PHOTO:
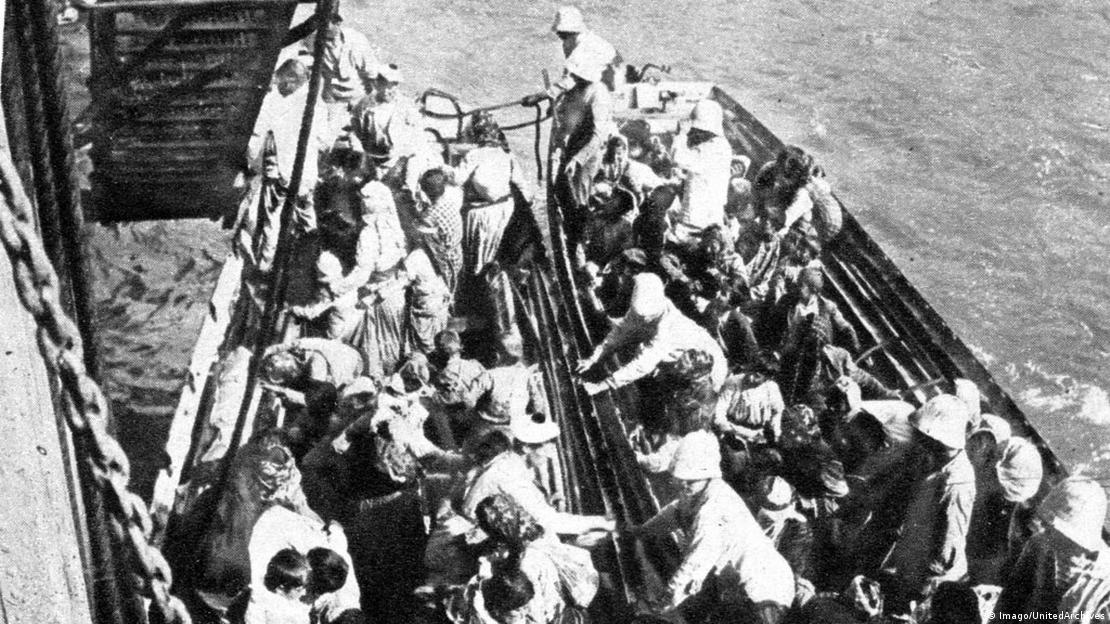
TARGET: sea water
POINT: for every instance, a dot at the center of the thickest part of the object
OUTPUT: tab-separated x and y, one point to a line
970	137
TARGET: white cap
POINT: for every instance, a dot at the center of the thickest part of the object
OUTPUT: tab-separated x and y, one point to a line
530	431
969	394
417	263
376	198
1076	507
568	19
944	419
996	426
707	116
778	494
648	300
390	73
698	457
1020	470
328	267
360	385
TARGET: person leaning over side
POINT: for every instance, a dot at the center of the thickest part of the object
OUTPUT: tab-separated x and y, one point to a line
730	569
660	332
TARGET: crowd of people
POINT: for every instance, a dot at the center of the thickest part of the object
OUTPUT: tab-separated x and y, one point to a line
415	478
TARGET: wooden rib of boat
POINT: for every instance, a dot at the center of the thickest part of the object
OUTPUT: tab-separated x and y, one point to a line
601	473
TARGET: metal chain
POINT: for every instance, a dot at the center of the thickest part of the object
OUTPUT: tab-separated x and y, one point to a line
60	343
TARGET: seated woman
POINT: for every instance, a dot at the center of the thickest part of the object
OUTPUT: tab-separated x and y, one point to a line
620	188
562	576
750	406
262	511
334	316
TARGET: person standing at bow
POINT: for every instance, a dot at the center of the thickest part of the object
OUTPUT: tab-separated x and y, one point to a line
347	69
583	123
385	128
578	43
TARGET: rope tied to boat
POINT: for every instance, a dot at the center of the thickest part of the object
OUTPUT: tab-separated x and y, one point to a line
62	349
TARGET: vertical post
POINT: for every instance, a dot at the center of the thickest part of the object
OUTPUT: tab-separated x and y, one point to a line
280	279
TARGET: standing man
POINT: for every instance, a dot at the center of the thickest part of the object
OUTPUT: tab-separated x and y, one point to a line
384	126
348	68
281	114
583	122
582	44
703	158
930	547
730	570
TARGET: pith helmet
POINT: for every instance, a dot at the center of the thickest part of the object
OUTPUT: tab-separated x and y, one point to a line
996	426
970	395
389	72
777	493
376	199
535	431
648	301
1076	507
698	457
568	19
1019	470
944	419
708	117
360	385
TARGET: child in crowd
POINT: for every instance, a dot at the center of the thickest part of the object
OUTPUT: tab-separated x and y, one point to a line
285	584
327	577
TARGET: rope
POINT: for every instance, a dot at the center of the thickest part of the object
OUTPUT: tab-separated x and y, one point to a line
460	114
61	347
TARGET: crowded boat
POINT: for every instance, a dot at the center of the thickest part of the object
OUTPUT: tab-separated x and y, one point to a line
408	459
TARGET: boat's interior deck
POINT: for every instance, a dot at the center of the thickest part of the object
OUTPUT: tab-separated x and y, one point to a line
914	351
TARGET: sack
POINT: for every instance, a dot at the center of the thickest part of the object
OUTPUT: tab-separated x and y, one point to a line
577	575
827	216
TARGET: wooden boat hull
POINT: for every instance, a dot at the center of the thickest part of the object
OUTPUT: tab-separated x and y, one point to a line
602	475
